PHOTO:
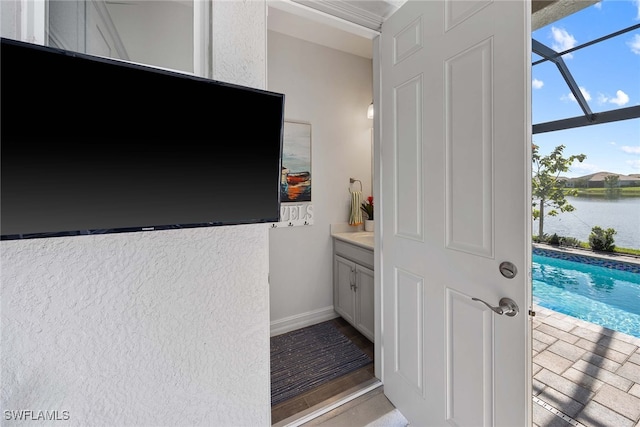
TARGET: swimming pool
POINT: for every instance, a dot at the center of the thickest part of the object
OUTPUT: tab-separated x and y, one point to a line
602	292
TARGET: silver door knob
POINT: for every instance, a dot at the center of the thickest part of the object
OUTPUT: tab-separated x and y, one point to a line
506	306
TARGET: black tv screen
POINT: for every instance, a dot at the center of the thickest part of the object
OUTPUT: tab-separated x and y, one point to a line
93	145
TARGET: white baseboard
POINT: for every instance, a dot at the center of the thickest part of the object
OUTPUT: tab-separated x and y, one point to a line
298	321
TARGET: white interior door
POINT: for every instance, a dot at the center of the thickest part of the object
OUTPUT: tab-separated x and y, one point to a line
455	197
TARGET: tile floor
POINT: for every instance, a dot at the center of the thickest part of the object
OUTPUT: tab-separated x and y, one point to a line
369	409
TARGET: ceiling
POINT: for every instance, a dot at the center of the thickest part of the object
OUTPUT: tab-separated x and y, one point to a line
347	25
351	25
370	14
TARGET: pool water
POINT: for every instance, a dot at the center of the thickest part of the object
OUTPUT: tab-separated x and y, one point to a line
600	295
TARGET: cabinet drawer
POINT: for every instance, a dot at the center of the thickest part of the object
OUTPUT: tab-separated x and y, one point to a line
354	253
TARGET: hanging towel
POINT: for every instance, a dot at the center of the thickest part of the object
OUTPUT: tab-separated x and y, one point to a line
355	217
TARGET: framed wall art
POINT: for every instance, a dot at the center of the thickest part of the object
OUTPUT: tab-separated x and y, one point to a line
295	181
295	184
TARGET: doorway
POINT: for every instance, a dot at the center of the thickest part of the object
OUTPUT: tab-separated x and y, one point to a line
580	367
328	86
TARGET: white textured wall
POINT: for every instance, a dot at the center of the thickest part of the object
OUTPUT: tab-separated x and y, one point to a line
164	328
160	328
331	90
240	54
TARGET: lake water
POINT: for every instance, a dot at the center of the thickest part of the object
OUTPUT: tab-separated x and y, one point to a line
623	215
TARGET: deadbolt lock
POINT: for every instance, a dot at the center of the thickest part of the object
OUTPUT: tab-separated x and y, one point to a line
508	269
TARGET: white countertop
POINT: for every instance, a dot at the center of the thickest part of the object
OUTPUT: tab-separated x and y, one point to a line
363	239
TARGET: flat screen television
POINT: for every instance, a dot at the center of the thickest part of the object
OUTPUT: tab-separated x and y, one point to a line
92	145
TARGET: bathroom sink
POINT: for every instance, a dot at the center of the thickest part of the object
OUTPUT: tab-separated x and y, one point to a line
360	238
366	238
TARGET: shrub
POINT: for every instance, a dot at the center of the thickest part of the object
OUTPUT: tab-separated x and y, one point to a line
537	239
602	240
570	242
554	240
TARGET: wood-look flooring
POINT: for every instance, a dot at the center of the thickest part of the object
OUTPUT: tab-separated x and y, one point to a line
326	391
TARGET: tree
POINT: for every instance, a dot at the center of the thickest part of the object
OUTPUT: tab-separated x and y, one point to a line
612	181
612	184
547	190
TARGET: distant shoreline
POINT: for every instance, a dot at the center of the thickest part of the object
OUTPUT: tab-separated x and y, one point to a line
605	193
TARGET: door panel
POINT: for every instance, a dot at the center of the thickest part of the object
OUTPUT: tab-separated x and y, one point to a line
344	271
455	203
408	41
365	312
409	321
469	331
457	12
409	194
469	150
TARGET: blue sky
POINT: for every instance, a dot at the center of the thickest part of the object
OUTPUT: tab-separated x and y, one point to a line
608	74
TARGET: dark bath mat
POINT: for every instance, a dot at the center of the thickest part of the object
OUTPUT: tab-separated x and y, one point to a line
306	358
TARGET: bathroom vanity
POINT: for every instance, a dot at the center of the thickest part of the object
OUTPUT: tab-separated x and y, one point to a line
353	279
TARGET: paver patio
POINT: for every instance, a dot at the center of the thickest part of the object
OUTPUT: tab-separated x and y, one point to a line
583	374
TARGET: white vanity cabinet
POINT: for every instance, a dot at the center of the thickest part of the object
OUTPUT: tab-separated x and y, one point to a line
353	285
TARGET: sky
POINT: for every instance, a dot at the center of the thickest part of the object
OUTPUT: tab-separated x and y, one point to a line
608	74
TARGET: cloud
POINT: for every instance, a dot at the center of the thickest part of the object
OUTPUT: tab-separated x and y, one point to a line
636	4
570	97
562	41
602	99
620	99
630	150
634	44
598	5
537	84
634	163
584	168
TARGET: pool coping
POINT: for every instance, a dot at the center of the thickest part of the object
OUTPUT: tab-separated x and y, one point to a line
615	262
